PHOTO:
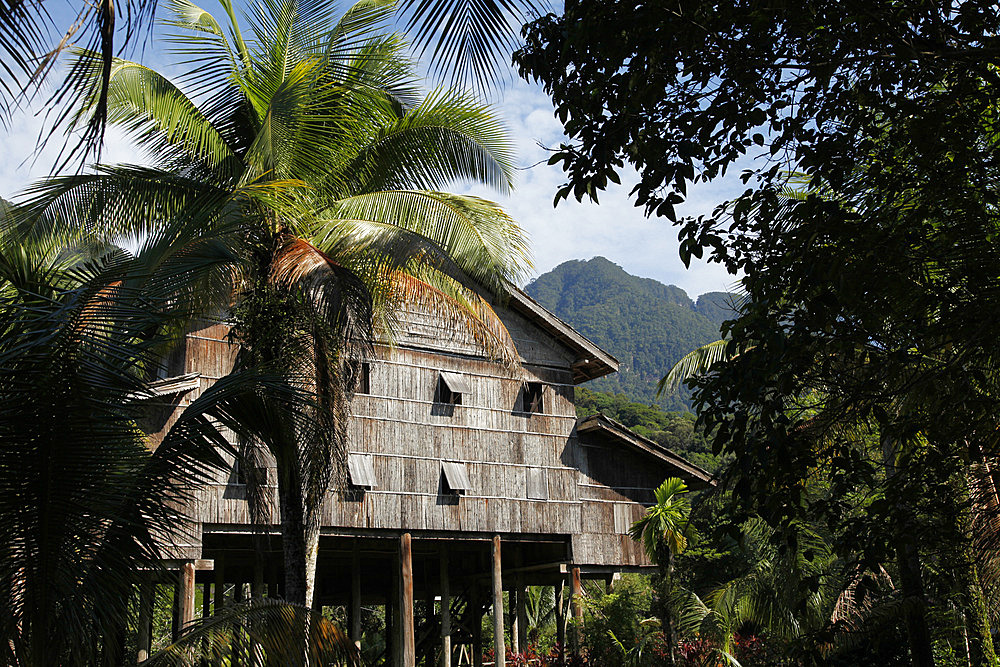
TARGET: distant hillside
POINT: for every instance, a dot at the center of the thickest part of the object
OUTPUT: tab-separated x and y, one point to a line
647	325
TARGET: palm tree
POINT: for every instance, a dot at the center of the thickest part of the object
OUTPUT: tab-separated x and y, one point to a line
86	509
663	532
309	144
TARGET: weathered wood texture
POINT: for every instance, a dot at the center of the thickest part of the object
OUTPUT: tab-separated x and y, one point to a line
616	486
529	473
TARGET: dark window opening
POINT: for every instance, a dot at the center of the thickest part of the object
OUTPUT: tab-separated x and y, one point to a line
240	475
451	386
364	379
534	393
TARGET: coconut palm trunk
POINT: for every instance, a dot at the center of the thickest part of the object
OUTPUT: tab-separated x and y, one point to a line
295	538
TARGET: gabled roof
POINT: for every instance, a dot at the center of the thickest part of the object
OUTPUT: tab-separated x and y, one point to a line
695	476
591	361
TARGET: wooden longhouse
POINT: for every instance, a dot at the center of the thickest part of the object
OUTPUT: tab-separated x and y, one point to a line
466	480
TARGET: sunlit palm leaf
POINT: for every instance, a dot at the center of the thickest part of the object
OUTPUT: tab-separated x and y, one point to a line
476	234
694	363
468	41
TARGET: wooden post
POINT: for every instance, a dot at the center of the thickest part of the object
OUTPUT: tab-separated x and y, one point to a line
515	630
561	619
220	583
430	647
500	650
406	601
175	608
391	619
144	642
185	590
356	595
445	611
477	627
274	587
576	590
522	617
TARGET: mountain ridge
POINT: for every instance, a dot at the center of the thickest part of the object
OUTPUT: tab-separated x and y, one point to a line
644	323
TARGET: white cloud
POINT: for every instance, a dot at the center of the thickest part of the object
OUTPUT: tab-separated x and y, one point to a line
614	229
19	166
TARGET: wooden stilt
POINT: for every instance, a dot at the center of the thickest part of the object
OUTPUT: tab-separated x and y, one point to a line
274	587
500	650
430	646
356	595
257	590
445	611
576	590
185	593
146	600
391	622
220	583
477	628
515	630
406	601
522	617
430	619
175	611
561	619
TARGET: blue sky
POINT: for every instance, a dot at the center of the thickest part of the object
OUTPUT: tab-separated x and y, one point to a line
615	229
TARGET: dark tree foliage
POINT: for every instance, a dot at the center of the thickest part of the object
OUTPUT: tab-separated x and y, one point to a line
865	393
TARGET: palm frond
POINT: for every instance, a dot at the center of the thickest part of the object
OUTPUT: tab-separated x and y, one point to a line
476	235
693	363
448	137
468	42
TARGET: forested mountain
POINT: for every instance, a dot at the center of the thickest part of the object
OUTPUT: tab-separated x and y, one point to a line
647	325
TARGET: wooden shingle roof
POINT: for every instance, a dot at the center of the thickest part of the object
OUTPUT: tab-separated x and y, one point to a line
591	362
607	428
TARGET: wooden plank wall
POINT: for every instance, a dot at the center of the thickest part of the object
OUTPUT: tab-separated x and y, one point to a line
616	486
409	435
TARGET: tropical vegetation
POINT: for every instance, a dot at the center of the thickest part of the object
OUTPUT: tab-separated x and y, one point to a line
295	192
291	195
857	392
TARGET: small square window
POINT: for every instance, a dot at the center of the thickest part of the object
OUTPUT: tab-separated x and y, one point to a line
537	481
364	379
361	471
456	478
451	386
533	397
